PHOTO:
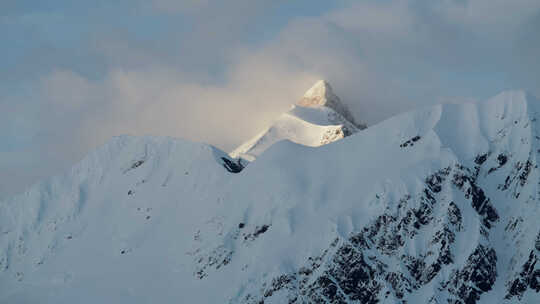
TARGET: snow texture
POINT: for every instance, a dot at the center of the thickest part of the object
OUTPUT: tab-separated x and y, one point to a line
438	205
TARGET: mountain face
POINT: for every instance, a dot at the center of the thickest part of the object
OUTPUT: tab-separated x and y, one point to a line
438	205
317	119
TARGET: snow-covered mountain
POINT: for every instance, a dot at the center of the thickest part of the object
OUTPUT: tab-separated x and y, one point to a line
317	119
438	205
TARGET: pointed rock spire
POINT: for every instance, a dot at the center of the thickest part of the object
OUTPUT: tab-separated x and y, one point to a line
318	95
321	94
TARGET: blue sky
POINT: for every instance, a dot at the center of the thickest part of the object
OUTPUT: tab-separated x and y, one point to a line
75	73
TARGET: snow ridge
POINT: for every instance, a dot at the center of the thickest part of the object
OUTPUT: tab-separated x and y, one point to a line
443	210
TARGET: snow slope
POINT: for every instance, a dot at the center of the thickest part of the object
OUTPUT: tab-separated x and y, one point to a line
318	119
438	205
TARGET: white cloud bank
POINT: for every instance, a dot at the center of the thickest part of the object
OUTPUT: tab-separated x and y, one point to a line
381	57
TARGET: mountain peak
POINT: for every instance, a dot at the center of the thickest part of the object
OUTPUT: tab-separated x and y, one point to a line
321	94
439	205
320	91
317	119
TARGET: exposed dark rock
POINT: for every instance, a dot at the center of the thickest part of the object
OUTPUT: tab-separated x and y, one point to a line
525	173
232	166
537	243
258	231
354	276
477	277
466	182
518	177
410	142
502	159
454	215
135	164
529	277
278	284
357	268
216	259
480	159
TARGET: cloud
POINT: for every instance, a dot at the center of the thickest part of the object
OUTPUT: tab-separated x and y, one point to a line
159	101
220	72
180	6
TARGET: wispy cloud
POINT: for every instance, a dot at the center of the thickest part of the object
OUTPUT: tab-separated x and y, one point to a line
219	72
